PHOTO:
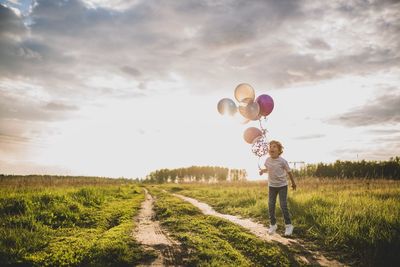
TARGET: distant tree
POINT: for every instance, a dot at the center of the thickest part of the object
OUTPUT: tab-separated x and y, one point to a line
195	173
389	169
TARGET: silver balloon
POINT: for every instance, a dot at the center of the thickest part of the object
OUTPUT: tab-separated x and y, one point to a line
227	106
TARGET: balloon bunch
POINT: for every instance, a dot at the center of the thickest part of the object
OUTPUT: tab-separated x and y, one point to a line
252	109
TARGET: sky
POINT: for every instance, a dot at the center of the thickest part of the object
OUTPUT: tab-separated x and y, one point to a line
122	88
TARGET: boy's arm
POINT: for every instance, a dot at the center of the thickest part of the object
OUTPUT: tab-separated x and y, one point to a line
263	171
294	186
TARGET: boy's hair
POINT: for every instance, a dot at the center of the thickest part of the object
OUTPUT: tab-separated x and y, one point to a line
278	144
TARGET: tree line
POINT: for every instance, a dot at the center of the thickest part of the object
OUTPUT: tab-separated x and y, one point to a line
197	174
389	169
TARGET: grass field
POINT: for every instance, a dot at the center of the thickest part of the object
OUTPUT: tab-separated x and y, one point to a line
357	220
81	221
68	222
211	241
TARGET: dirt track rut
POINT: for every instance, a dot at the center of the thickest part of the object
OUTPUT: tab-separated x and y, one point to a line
303	254
149	233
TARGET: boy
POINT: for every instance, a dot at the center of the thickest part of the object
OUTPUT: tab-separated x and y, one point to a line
277	168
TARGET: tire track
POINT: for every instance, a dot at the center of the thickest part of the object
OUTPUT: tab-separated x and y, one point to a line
149	233
301	253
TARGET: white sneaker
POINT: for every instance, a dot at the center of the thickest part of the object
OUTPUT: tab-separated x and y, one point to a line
288	229
272	229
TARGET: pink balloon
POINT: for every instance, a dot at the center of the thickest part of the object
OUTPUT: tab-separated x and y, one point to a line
250	111
251	133
266	104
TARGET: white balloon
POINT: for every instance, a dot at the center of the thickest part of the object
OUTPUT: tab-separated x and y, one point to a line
260	146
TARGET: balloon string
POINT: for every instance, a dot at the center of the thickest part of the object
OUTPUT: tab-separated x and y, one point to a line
264	130
264	133
259	167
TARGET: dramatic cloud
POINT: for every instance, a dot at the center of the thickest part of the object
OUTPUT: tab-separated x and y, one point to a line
12	30
277	43
383	110
384	151
11	23
24	108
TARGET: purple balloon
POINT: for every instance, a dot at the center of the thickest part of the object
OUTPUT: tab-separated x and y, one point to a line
266	104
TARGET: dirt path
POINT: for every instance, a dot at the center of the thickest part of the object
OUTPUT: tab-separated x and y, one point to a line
149	233
301	252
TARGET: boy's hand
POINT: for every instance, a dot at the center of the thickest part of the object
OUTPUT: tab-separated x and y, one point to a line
261	172
294	186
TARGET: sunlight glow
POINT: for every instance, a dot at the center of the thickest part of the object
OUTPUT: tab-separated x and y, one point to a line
133	137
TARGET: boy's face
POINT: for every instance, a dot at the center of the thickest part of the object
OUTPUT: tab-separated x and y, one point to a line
273	151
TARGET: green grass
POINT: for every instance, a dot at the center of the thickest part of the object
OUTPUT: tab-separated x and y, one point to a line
358	220
211	241
61	221
87	225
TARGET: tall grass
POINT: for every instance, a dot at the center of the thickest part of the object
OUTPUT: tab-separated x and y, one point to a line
18	182
68	226
357	219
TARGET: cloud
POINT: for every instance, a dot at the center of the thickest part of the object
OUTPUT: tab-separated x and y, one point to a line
257	41
110	4
384	131
22	55
241	22
6	140
131	71
310	136
57	106
205	45
200	46
58	56
317	43
26	114
384	151
383	110
12	30
24	108
11	24
18	137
